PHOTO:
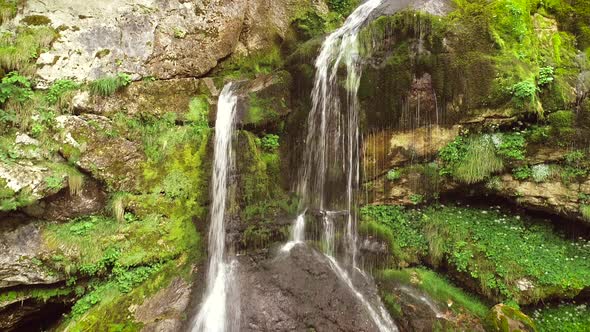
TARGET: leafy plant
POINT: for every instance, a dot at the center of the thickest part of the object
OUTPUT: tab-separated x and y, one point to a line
270	142
546	75
512	146
58	90
16	88
393	175
524	92
54	182
540	172
522	173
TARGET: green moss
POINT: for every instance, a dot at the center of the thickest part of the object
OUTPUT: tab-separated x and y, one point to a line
36	20
562	125
106	306
505	317
438	288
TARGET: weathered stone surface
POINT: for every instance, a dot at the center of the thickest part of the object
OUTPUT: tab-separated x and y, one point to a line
553	197
297	292
165	39
152	98
63	205
164	311
107	156
20	244
26	176
434	7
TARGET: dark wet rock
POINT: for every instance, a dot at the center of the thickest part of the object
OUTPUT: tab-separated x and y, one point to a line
165	310
20	244
297	292
27	313
64	205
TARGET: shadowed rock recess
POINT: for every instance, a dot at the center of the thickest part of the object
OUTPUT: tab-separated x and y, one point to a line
472	209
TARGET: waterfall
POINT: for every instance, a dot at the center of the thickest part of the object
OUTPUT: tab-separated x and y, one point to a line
215	308
330	177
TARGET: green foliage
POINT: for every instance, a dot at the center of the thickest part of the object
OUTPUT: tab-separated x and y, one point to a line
198	113
546	75
54	183
524	92
492	248
564	318
8	9
108	85
452	154
585	211
562	124
58	90
438	288
19	51
15	87
393	175
522	173
270	142
397	228
342	7
416	199
512	146
479	162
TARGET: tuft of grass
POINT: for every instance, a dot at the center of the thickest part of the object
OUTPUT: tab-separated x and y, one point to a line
480	161
108	85
75	182
585	211
117	205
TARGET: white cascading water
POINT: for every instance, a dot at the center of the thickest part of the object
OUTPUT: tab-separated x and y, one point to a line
333	139
215	308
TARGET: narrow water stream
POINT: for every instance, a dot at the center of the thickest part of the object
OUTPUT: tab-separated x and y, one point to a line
219	310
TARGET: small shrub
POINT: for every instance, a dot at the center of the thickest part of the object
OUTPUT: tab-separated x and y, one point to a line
58	90
107	86
541	172
270	142
546	75
393	175
416	199
480	161
512	146
522	173
524	92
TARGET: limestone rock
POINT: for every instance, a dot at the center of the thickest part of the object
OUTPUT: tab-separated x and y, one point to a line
20	243
153	98
91	142
164	310
165	39
63	205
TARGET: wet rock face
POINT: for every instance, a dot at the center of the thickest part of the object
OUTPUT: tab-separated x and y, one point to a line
20	244
164	311
297	292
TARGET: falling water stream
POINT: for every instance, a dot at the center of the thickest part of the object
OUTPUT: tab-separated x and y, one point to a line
219	310
332	157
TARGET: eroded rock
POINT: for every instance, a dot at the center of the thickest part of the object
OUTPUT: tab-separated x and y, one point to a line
91	142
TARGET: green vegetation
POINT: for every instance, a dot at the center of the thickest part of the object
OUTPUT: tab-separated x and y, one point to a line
471	160
393	175
270	142
19	51
60	93
487	246
108	85
438	288
564	317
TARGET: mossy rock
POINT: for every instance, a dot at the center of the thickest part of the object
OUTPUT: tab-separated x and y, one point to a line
503	318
